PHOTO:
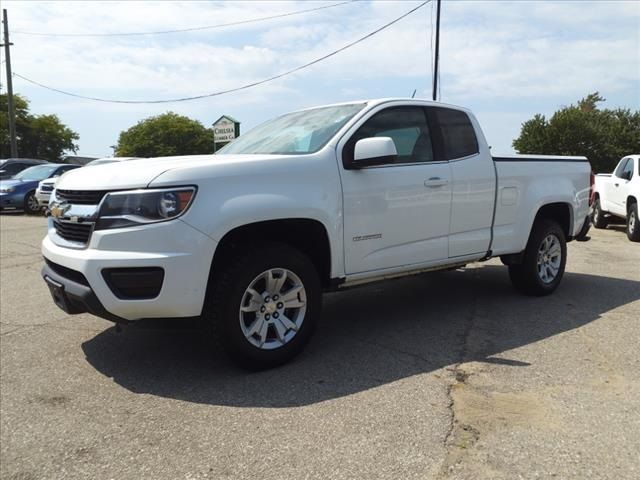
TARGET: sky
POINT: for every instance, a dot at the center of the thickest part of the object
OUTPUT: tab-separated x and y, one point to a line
505	60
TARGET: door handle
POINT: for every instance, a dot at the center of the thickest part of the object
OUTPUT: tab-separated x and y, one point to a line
616	184
435	182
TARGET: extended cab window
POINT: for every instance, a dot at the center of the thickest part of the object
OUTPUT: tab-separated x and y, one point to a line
458	136
406	126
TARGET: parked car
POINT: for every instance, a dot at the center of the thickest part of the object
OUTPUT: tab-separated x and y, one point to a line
316	200
46	186
617	195
19	192
12	166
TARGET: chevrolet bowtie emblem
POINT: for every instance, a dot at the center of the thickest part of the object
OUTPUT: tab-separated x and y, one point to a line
58	210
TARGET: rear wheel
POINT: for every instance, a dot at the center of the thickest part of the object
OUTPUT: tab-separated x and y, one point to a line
597	217
543	261
264	305
633	229
31	205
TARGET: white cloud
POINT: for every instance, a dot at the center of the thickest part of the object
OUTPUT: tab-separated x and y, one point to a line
494	51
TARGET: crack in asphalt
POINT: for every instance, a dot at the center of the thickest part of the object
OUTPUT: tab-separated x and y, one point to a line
459	376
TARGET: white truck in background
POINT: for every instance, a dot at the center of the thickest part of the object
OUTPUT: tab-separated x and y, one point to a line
617	194
316	200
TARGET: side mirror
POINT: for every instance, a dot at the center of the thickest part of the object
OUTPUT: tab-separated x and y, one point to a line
374	151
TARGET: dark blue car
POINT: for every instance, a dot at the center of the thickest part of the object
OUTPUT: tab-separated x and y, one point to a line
19	192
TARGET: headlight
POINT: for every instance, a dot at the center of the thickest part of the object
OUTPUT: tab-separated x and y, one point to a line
139	207
7	190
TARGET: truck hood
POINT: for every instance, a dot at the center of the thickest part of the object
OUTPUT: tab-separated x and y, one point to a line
140	173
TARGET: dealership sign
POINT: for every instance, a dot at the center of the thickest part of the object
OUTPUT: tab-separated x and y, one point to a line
225	129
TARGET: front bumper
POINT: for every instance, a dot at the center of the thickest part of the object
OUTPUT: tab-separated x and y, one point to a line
12	201
182	252
43	198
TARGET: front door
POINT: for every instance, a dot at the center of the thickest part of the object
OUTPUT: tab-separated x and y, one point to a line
395	214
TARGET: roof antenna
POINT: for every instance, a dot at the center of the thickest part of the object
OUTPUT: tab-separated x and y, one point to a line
414	93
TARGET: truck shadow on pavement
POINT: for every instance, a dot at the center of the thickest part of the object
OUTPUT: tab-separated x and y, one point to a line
368	337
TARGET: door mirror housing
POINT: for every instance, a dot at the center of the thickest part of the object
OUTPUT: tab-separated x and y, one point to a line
374	151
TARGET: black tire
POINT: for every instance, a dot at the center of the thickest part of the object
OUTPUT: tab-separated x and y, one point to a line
31	206
633	228
597	216
525	277
225	295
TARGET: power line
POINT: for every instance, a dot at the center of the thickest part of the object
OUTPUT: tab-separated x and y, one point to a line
191	29
236	89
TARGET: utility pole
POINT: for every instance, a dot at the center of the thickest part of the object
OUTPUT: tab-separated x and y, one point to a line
437	54
12	113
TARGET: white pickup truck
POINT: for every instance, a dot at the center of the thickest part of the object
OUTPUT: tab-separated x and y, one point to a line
617	194
316	200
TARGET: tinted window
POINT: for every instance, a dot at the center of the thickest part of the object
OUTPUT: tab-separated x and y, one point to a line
406	126
458	136
622	167
627	172
61	170
14	168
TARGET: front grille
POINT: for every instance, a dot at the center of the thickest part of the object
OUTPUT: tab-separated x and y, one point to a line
75	232
46	188
81	197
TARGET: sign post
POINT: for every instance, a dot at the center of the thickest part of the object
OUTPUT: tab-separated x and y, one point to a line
225	130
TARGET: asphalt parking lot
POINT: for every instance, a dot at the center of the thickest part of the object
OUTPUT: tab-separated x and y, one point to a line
444	375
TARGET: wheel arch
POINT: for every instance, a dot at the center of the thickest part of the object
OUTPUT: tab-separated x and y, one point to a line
631	199
560	212
307	235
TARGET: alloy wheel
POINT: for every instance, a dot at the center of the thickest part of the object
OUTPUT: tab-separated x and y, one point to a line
273	308
549	258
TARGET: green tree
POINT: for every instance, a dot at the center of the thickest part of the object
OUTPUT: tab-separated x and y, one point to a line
603	136
38	136
165	135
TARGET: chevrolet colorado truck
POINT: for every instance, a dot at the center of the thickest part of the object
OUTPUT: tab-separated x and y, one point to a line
617	194
248	239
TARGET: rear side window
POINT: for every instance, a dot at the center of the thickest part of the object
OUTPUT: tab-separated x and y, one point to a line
458	136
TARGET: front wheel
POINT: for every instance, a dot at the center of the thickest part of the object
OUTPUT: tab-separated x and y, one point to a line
633	229
264	305
543	262
597	217
31	205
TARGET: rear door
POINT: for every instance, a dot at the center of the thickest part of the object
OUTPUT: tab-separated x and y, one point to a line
473	182
396	214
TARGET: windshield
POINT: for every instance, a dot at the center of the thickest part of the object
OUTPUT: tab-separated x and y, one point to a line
39	172
299	132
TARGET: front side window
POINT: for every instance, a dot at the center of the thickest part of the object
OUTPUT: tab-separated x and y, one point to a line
406	126
627	172
622	166
458	135
294	133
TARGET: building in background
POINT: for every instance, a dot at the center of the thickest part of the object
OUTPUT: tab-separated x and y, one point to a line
225	130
